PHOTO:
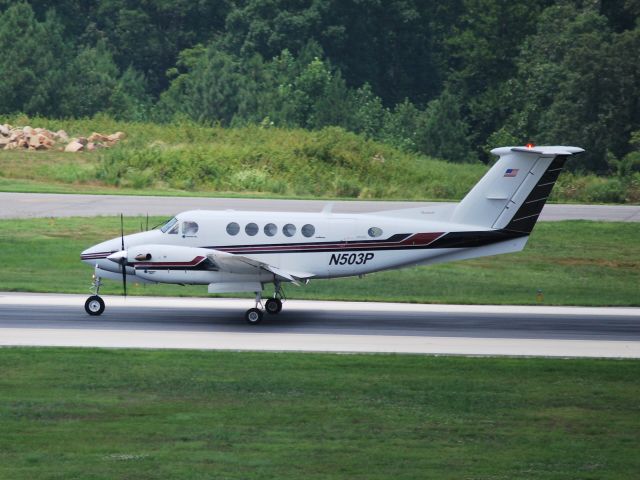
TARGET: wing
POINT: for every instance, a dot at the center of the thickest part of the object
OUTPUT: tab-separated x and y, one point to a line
230	262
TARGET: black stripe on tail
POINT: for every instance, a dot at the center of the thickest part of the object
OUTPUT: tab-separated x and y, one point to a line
527	215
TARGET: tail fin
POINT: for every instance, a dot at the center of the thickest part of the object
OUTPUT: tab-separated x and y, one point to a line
512	193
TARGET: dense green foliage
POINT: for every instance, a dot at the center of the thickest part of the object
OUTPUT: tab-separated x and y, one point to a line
573	263
105	414
446	79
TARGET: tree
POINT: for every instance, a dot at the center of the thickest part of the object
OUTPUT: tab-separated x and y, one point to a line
129	100
214	86
444	133
32	55
89	83
576	85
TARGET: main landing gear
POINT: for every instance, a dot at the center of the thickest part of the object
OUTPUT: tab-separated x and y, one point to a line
272	306
95	305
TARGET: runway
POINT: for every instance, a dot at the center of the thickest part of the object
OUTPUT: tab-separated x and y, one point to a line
33	205
209	323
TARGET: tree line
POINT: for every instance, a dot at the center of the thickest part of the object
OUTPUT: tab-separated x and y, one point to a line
447	79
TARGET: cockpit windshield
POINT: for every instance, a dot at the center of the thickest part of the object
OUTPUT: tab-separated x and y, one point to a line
169	224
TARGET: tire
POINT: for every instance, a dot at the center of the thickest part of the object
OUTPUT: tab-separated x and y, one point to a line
273	306
253	316
94	305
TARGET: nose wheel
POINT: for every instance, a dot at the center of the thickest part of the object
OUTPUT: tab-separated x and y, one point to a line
94	305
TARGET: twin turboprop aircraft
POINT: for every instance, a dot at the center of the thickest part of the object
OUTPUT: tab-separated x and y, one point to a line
241	251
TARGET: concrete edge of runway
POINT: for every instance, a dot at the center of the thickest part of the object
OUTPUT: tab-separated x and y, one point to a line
91	334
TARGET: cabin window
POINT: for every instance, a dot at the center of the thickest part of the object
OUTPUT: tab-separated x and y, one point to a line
270	229
308	230
189	228
233	228
251	229
165	228
289	230
375	232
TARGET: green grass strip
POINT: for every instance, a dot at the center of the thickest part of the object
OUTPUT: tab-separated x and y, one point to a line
105	414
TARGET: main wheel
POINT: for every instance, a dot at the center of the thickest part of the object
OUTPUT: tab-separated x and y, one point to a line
253	316
94	305
273	306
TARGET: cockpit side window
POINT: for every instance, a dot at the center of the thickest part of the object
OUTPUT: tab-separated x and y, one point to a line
167	226
189	228
174	229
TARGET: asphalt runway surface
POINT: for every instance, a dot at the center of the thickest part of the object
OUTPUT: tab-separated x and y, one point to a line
208	323
33	205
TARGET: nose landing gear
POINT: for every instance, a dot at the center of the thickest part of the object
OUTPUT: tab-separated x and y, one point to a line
95	305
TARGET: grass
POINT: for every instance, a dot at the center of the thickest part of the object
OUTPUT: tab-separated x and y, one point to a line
105	414
188	159
572	262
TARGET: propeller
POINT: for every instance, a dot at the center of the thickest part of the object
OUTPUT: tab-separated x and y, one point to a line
123	260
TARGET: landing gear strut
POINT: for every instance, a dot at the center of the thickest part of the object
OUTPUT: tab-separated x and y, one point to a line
95	305
254	315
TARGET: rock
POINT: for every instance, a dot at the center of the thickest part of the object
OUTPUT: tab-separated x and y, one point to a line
91	146
62	135
48	134
27	130
45	141
4	141
98	137
82	140
74	146
5	130
115	137
34	141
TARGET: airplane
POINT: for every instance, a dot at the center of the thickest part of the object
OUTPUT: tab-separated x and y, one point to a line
242	251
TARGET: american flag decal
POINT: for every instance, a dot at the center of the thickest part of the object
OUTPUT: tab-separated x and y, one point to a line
511	172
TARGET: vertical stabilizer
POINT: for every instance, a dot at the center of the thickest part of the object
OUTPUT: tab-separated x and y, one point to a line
512	193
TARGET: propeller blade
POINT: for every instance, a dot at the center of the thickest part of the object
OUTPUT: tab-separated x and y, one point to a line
122	230
123	261
124	276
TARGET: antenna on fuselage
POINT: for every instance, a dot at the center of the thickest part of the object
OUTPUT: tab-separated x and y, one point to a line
328	208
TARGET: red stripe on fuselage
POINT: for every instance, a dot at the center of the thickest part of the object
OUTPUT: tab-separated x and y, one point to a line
417	240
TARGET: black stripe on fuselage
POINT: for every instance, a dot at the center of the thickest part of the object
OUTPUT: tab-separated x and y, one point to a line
448	240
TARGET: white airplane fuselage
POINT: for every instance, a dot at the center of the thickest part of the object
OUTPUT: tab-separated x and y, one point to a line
341	244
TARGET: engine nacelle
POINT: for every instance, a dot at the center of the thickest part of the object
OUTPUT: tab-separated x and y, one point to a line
168	255
191	265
